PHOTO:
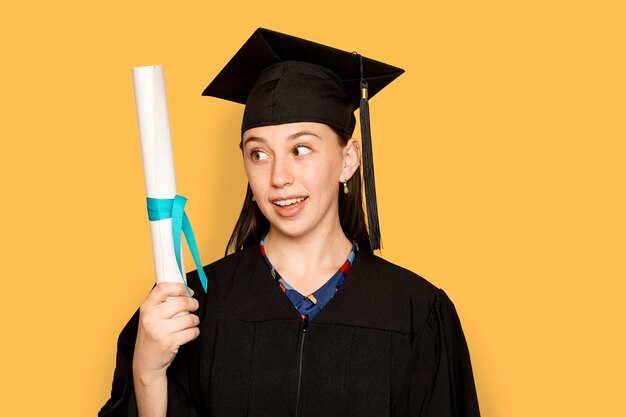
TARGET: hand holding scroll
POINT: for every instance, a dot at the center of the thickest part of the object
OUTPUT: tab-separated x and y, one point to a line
163	329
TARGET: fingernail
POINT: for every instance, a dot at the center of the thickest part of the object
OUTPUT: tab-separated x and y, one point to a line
192	291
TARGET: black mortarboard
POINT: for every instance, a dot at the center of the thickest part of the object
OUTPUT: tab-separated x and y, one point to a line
284	79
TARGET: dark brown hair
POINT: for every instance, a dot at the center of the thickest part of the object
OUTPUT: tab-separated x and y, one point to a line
252	224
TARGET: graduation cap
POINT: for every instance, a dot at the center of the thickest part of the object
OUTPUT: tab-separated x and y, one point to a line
285	79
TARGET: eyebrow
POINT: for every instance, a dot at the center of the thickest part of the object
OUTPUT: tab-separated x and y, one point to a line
291	137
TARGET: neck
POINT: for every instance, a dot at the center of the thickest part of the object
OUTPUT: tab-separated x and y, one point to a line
317	250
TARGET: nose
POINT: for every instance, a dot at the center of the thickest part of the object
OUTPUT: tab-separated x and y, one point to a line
282	171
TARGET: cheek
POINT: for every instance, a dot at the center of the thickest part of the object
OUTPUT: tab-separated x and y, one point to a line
254	175
322	177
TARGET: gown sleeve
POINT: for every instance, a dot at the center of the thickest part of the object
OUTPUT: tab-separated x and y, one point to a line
122	402
442	382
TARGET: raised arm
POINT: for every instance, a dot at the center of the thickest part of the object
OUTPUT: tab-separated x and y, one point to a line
164	326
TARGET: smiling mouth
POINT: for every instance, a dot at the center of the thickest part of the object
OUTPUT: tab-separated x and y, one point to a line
289	202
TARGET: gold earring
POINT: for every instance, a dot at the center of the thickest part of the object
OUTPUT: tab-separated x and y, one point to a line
345	187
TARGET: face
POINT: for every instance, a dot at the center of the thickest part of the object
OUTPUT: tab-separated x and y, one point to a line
295	171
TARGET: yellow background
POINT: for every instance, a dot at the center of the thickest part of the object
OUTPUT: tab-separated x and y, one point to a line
499	165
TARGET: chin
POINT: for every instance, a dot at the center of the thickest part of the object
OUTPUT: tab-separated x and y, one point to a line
292	232
294	229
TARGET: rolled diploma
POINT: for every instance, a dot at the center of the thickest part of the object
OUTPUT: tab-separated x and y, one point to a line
158	164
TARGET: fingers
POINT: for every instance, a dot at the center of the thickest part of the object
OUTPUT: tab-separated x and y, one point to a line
165	323
185	336
174	306
180	323
168	299
165	335
163	290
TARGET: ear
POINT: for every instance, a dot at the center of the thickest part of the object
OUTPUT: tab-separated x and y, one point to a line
351	159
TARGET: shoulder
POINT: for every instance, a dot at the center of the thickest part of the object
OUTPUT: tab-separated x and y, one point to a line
397	277
233	261
396	286
228	262
224	268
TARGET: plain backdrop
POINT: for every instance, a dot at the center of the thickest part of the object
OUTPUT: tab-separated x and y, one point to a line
499	165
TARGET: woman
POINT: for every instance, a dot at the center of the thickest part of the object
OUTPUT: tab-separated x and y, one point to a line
374	339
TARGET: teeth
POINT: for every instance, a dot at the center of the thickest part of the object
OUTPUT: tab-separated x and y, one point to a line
289	202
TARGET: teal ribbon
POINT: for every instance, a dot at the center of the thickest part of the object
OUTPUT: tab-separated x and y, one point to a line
164	208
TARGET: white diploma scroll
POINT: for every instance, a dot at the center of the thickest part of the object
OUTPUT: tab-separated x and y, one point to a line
158	164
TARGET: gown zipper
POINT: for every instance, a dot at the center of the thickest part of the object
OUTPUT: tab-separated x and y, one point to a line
303	329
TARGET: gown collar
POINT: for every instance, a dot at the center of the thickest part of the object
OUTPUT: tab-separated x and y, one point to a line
310	305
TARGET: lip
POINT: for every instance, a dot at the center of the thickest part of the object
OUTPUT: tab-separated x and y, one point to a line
291	210
289	197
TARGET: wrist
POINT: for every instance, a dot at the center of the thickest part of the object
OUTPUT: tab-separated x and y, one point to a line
149	378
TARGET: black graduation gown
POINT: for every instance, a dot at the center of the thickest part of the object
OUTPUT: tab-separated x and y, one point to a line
389	343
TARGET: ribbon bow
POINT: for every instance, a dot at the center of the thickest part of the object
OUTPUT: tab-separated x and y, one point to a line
164	208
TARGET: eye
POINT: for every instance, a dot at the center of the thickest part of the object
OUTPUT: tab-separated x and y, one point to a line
302	150
258	155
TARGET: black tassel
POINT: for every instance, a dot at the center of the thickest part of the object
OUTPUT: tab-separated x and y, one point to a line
368	166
